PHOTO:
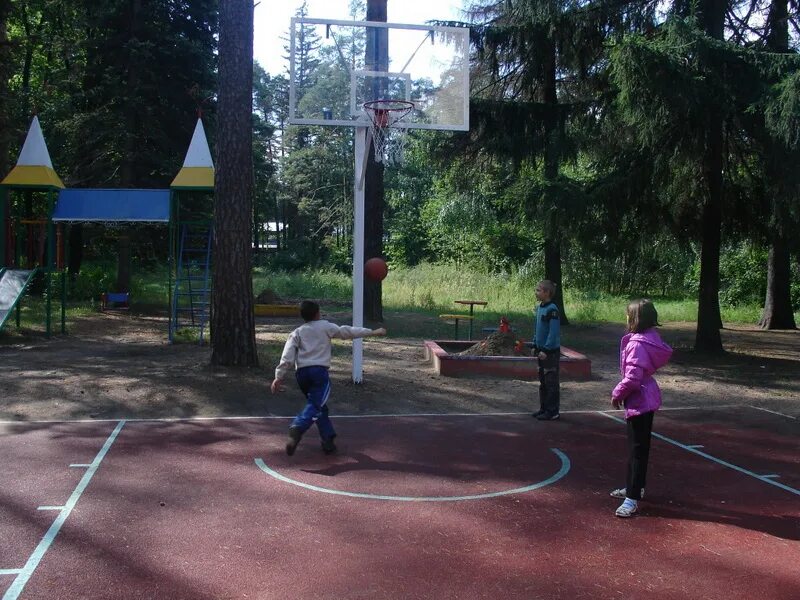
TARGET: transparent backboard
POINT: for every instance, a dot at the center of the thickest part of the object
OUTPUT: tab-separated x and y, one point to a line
337	66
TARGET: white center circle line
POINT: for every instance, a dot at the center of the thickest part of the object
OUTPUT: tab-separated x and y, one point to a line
565	466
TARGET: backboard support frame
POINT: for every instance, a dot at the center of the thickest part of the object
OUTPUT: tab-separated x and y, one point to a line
442	106
459	34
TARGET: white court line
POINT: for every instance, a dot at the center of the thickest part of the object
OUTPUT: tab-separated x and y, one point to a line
10	571
342	416
763	478
774	412
565	466
33	561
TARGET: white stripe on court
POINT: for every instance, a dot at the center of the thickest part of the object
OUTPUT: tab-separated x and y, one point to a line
33	561
342	416
774	412
10	571
565	466
713	458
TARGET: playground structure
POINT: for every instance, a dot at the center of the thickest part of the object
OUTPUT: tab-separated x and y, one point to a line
407	77
27	232
36	209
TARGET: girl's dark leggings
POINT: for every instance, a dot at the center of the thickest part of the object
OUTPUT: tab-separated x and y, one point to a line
639	433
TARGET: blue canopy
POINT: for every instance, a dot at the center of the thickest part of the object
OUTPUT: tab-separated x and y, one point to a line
112	206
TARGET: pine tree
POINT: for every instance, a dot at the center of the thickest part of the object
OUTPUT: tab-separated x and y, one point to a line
537	72
233	318
778	313
5	103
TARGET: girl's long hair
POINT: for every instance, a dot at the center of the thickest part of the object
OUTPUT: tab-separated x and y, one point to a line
642	315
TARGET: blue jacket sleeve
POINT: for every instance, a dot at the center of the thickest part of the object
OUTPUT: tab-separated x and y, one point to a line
554	333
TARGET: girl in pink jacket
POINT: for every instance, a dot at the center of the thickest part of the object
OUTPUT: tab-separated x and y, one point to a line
642	353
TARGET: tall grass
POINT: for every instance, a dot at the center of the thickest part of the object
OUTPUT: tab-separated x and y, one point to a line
433	289
427	289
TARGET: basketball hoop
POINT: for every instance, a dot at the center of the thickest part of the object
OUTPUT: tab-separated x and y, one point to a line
389	139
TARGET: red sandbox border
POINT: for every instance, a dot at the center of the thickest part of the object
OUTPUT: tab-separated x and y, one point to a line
574	365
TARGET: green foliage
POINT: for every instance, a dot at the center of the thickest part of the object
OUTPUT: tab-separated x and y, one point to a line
743	275
316	285
93	280
783	110
431	290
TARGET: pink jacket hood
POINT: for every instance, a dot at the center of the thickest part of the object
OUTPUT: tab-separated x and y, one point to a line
641	355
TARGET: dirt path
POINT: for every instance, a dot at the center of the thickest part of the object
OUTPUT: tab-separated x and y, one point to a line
121	366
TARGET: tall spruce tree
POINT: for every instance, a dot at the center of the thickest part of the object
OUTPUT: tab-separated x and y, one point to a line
682	91
778	313
536	73
233	319
5	101
709	320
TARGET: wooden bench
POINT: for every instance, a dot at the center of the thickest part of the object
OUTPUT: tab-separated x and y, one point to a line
456	318
115	301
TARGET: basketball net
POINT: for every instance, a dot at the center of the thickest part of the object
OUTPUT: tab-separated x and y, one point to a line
389	139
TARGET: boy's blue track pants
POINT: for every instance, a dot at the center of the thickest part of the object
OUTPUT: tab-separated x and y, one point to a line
316	385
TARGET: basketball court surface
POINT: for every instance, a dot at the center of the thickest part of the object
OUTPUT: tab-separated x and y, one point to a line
412	506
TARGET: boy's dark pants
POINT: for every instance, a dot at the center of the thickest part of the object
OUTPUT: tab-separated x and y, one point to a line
549	392
640	428
315	384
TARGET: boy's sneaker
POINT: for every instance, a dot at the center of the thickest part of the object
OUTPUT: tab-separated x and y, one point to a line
627	509
294	439
328	447
548	416
538	413
620	493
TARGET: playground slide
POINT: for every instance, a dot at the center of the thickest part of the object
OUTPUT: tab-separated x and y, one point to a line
12	287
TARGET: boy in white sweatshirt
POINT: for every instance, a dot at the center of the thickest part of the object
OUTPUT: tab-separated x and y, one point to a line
308	351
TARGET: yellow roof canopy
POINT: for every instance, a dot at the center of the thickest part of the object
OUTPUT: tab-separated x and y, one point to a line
35	176
194	177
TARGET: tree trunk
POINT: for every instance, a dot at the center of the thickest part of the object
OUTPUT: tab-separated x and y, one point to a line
233	320
778	313
552	230
5	107
374	198
124	263
709	320
128	175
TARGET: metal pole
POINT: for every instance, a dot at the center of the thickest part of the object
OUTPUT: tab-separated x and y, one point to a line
61	268
48	269
361	149
5	229
170	260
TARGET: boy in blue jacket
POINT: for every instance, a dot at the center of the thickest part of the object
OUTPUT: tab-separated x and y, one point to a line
547	348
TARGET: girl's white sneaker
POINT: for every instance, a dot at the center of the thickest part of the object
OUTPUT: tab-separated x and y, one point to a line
627	509
620	493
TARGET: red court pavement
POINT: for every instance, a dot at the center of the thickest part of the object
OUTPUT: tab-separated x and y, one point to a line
180	510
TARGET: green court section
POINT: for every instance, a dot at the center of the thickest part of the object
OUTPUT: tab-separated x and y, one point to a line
13	283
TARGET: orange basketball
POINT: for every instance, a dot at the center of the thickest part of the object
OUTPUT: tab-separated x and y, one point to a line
376	269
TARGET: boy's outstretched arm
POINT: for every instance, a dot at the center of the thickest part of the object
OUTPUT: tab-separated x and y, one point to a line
347	332
286	363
